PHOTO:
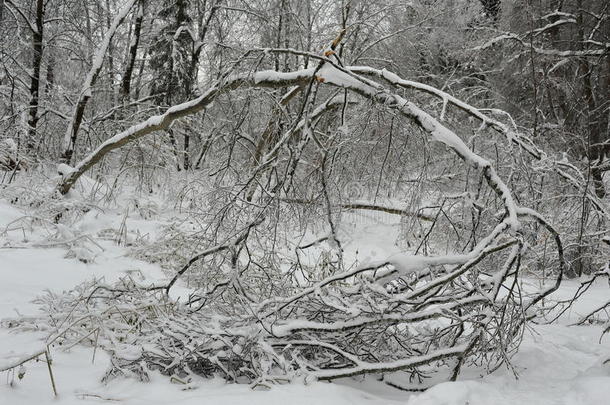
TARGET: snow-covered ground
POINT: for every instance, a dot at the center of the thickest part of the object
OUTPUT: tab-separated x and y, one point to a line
557	364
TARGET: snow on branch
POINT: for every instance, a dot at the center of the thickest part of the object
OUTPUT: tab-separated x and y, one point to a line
604	47
162	121
517	138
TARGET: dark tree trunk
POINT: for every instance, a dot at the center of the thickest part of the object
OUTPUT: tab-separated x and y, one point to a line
595	147
110	46
174	145
50	82
133	51
35	82
187	141
204	151
203	30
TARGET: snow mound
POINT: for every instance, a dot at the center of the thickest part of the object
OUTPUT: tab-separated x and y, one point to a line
459	393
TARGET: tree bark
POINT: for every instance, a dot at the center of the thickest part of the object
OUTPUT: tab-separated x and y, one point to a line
37	37
50	82
133	51
594	143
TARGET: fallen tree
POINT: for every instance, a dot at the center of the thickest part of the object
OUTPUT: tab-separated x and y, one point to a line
411	312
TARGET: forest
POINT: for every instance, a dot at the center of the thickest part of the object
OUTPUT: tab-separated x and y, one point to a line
338	201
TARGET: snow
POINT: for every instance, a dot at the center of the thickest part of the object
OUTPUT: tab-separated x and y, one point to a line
274	76
557	364
8	214
64	169
544	51
456	393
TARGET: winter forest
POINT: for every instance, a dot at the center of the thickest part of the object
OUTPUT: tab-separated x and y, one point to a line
305	201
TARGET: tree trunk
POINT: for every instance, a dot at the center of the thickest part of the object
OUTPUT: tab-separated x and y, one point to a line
37	37
187	141
50	82
133	51
203	30
594	142
174	144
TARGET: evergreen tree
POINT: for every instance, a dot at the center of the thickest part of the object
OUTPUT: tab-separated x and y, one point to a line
171	54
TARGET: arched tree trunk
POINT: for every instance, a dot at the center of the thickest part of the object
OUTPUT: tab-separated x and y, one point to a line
328	73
